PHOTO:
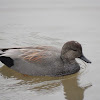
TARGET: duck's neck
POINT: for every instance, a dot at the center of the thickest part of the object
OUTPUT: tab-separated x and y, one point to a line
70	66
67	60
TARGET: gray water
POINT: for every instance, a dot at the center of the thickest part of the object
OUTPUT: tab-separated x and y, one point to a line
51	22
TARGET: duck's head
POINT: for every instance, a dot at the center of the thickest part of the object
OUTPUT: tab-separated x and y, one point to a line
72	50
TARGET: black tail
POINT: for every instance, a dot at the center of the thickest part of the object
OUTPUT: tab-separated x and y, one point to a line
7	61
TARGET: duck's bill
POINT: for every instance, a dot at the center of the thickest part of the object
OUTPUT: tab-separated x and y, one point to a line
85	59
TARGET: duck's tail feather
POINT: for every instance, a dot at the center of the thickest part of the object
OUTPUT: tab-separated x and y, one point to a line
1	52
6	60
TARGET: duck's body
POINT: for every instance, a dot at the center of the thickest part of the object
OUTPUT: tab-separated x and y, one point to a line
40	61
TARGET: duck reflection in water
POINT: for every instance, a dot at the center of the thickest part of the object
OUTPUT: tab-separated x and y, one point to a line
71	89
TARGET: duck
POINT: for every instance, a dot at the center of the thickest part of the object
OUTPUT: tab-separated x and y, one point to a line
44	60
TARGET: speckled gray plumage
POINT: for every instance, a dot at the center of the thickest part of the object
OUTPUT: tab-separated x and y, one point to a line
44	60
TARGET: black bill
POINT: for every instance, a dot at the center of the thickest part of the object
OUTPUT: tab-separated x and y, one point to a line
85	59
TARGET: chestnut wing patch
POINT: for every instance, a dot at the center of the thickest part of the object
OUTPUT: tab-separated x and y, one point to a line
34	56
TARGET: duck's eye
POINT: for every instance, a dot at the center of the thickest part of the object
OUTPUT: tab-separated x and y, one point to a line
74	49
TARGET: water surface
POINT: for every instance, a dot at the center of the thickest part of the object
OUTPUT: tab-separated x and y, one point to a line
51	22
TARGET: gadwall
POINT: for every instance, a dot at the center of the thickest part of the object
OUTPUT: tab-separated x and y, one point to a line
44	60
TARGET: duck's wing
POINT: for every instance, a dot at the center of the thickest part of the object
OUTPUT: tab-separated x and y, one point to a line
29	54
33	55
37	54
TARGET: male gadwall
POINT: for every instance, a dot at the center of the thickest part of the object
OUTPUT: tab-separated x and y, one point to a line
44	60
